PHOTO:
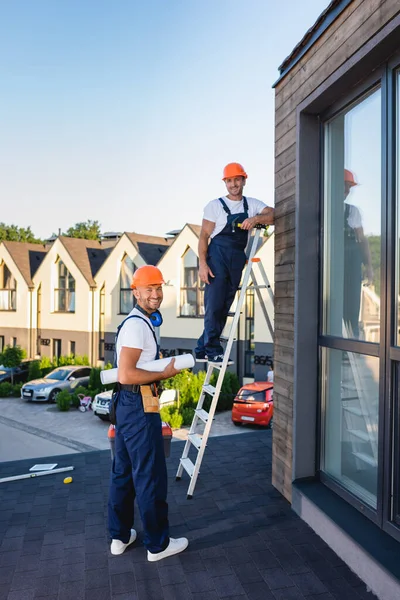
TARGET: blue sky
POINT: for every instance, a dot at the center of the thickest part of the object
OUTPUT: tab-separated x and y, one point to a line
126	111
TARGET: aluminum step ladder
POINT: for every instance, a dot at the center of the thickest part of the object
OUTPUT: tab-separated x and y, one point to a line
202	418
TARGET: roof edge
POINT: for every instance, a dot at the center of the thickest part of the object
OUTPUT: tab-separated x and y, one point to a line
325	20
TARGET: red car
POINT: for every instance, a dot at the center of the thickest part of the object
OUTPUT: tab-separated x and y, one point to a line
254	404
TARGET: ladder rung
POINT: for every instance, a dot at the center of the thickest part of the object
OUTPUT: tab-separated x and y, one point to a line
232	314
219	365
195	439
255	287
225	338
188	466
209	389
202	414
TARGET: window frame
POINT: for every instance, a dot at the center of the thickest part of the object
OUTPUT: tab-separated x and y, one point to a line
123	290
70	293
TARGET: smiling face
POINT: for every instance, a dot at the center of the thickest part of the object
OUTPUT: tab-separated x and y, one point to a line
149	297
235	186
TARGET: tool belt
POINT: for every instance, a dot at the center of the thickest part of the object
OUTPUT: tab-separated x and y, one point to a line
151	403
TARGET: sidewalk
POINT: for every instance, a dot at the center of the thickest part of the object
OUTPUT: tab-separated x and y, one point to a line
245	541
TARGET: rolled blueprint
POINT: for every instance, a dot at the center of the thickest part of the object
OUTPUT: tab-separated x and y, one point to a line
182	361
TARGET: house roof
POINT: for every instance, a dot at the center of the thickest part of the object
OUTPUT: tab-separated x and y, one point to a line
324	20
195	228
88	255
28	257
150	247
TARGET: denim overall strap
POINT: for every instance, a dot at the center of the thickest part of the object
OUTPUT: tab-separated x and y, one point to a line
157	356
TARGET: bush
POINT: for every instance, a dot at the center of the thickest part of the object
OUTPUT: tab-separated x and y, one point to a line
187	415
6	389
188	385
63	400
229	389
176	420
16	390
34	372
94	379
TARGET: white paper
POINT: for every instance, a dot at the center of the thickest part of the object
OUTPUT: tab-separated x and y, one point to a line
43	467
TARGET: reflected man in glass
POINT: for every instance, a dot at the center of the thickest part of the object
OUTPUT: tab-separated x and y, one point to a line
356	254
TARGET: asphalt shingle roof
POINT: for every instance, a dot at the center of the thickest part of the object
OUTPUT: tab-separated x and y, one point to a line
244	540
150	247
28	257
88	255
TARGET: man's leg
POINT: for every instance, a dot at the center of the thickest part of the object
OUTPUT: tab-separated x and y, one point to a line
151	483
214	321
122	493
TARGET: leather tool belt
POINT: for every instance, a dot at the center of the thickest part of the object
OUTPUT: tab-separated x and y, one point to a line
151	403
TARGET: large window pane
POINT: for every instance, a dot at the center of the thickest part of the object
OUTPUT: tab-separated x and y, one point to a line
397	299
352	222
350	421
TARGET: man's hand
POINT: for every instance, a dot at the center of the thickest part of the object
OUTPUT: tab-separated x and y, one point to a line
249	223
170	370
205	272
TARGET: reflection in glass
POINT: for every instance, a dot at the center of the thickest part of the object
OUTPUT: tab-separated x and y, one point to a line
352	222
350	422
398	211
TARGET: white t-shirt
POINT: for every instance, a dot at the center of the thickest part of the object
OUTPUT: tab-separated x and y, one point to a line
214	211
136	334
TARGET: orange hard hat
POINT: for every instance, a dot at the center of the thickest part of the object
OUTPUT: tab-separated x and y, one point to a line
349	178
234	170
147	275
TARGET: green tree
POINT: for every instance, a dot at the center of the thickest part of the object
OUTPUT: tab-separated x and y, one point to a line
13	233
11	358
88	230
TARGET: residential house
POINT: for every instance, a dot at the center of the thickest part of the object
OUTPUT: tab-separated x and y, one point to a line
19	262
337	346
114	296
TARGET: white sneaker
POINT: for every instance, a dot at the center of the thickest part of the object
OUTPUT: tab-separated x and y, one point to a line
118	547
174	547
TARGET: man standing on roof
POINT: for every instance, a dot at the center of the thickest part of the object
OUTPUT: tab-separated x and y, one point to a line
139	468
222	256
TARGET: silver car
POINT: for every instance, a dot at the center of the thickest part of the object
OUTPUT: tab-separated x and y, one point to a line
62	378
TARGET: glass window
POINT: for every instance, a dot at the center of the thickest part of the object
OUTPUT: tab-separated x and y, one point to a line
72	347
350	421
102	322
192	289
126	297
64	293
397	299
352	222
8	289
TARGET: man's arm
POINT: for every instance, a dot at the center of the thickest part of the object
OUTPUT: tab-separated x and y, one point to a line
205	272
266	217
128	373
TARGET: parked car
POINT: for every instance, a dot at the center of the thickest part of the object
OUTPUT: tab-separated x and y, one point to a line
19	373
101	405
62	378
254	404
101	402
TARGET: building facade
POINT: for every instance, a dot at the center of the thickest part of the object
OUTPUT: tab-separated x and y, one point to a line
337	348
69	297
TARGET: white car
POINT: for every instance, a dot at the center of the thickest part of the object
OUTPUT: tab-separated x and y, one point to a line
101	402
101	405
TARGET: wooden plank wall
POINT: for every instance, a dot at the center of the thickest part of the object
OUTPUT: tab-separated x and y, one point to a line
347	34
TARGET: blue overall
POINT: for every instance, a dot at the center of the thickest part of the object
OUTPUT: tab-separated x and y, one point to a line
138	470
226	259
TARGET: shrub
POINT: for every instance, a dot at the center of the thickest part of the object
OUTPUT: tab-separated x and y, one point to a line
188	385
11	358
229	389
187	415
176	420
94	379
63	400
16	390
6	389
34	371
81	360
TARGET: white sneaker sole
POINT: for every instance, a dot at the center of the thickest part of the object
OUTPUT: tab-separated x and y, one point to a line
166	553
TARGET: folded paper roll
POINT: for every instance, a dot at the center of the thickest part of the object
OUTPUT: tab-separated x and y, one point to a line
183	361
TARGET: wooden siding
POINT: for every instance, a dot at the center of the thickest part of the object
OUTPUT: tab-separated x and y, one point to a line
360	21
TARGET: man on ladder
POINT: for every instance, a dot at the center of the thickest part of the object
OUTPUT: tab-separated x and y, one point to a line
222	244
